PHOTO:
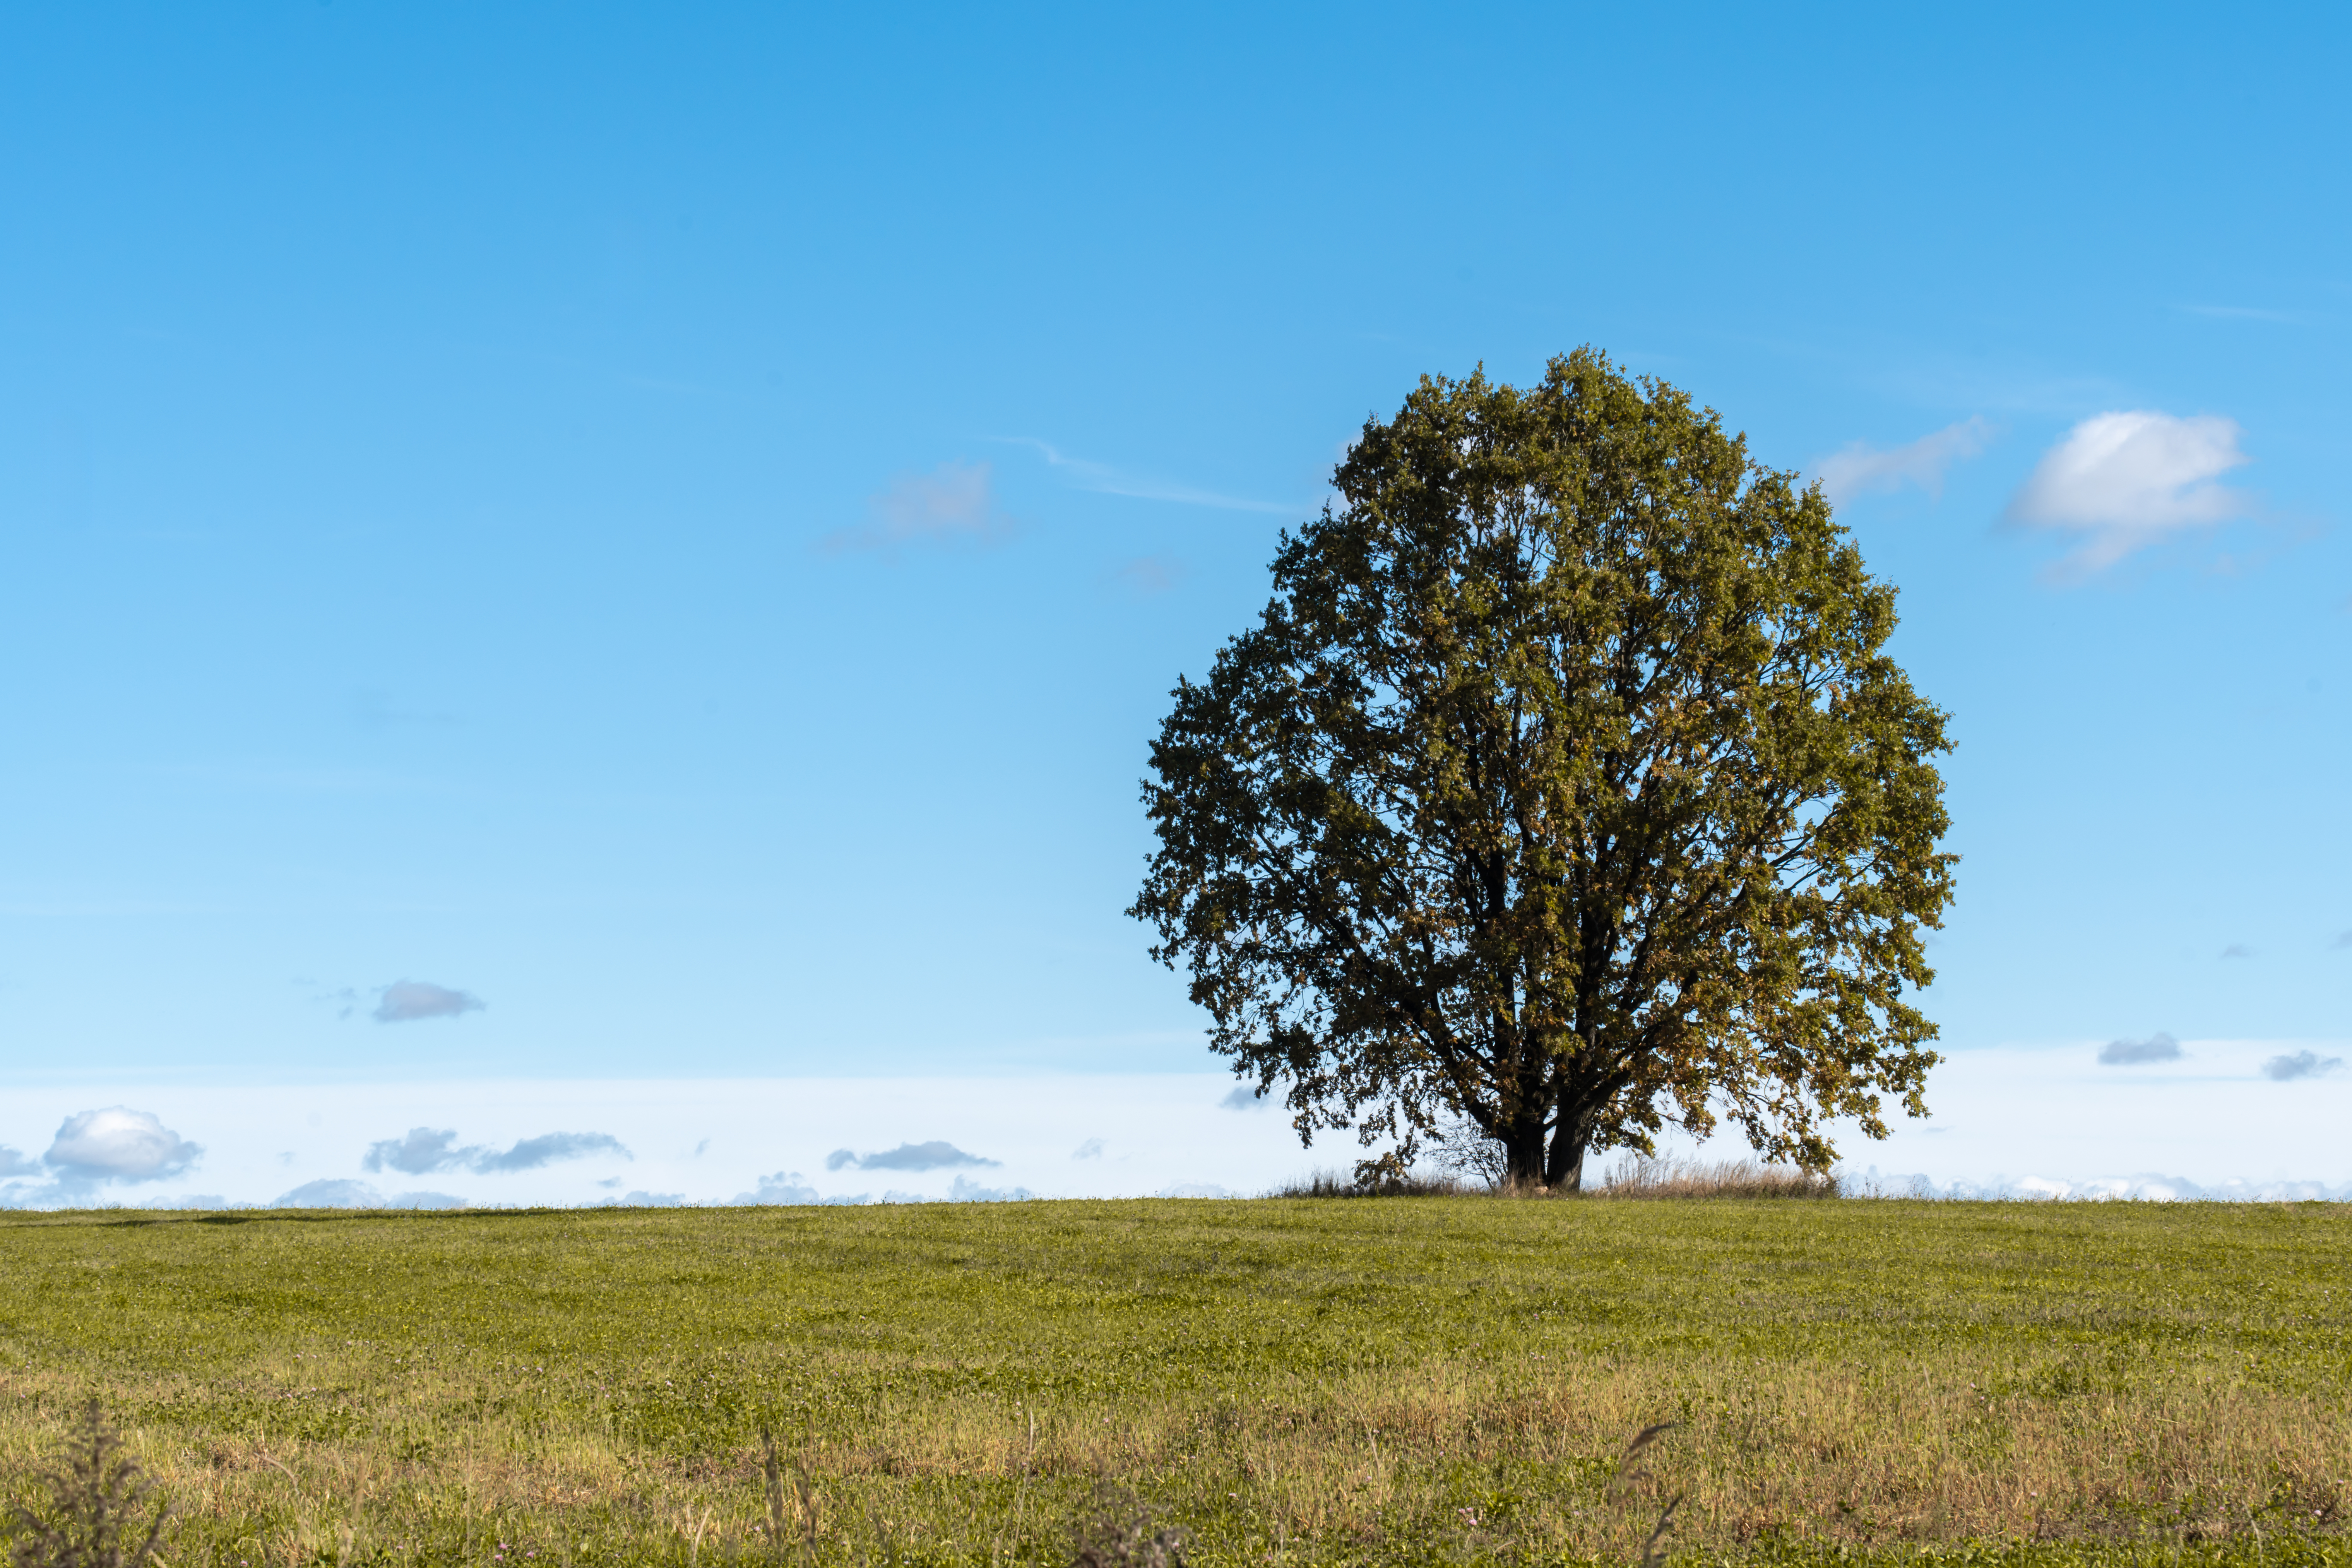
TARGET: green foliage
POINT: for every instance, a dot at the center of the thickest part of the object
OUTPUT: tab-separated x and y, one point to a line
1565	787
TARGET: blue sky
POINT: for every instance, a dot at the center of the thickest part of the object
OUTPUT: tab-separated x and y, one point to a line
678	526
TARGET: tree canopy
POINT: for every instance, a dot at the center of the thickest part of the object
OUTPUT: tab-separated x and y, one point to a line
1564	787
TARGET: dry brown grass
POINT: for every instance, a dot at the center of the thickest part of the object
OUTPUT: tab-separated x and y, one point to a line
1640	1178
1504	1461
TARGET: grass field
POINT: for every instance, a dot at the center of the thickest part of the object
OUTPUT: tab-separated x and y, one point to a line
1296	1383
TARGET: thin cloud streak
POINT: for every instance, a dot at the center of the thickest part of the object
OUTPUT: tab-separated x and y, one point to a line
936	1155
1860	469
1104	479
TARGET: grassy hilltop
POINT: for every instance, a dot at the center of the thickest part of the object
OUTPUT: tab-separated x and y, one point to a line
1295	1381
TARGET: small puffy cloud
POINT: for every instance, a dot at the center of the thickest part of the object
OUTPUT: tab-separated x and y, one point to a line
17	1163
643	1200
425	1150
2126	480
932	1156
118	1145
1244	1097
2157	1047
406	1001
955	501
2302	1064
532	1152
2237	950
331	1194
1197	1189
1092	1149
1860	468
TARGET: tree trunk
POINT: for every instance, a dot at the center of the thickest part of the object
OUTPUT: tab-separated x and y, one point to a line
1565	1169
1523	1152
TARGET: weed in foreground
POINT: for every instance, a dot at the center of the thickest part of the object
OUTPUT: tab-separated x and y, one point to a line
96	1508
1116	1531
1632	1472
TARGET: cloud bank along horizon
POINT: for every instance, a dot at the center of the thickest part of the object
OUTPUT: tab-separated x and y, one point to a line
2151	1117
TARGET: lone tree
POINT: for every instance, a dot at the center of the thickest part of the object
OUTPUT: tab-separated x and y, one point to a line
1564	787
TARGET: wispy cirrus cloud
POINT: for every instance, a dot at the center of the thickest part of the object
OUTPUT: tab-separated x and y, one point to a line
1102	479
2122	481
953	503
1860	469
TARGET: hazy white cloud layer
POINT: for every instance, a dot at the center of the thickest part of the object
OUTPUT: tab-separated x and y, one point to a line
2122	481
1860	468
2216	1118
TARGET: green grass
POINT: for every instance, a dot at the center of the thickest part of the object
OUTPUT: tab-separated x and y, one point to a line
1296	1383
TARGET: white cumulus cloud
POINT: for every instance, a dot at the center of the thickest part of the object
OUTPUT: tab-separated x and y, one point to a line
2122	481
118	1145
1860	468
